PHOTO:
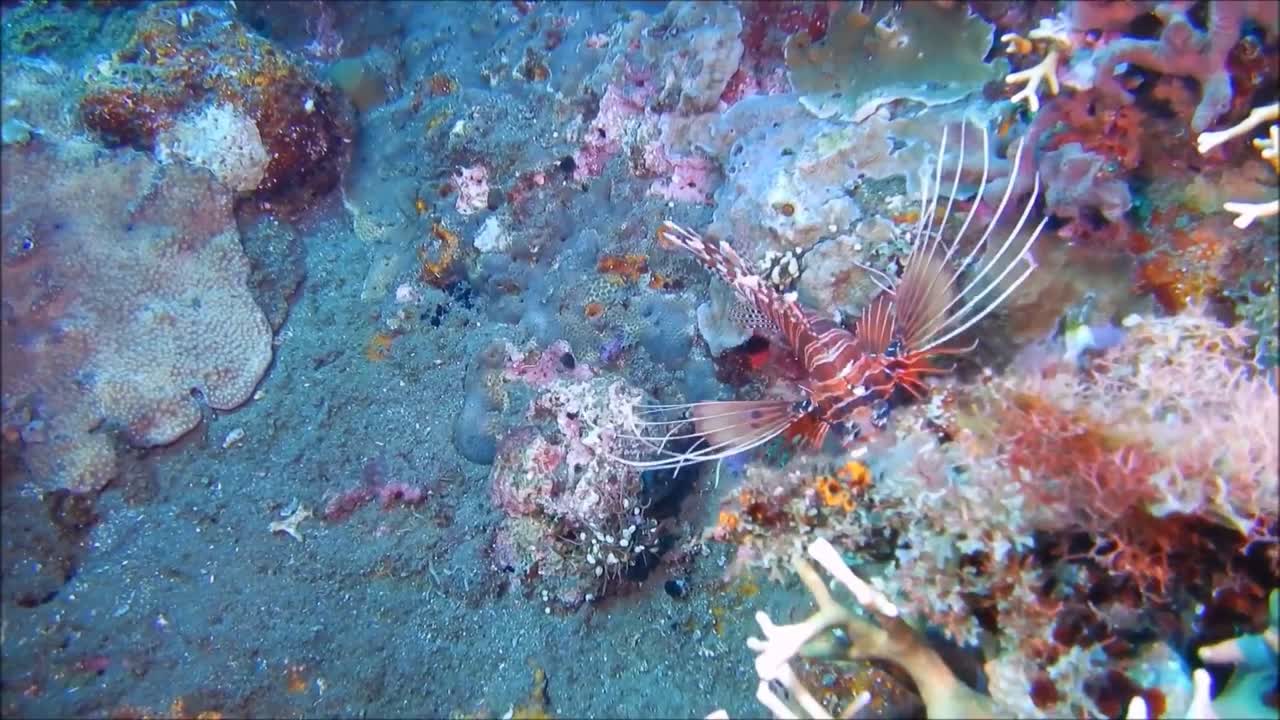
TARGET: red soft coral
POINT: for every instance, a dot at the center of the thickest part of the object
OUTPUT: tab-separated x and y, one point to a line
1172	427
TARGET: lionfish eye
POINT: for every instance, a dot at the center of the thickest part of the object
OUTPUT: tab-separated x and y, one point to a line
894	349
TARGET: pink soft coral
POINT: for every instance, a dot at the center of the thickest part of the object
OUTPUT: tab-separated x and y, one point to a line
1172	423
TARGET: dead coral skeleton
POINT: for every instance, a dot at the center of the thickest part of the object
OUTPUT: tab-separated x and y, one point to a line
290	524
835	632
1050	39
1245	212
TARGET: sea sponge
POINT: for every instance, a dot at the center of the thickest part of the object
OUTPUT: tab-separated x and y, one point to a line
918	51
1077	181
697	48
221	139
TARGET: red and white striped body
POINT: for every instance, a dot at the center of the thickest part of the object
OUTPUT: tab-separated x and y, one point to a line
840	371
946	286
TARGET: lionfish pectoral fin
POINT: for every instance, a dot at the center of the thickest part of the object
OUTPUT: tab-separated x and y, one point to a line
899	317
733	423
717	430
978	281
944	289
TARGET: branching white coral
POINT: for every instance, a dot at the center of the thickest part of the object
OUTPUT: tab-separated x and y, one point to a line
1049	39
1267	148
836	633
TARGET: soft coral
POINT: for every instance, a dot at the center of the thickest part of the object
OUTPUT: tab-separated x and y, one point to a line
1170	427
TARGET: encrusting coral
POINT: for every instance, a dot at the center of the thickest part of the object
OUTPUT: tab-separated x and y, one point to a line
122	301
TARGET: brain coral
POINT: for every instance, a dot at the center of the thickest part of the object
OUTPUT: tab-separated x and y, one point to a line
125	300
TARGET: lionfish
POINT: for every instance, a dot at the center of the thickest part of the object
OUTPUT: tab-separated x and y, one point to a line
851	376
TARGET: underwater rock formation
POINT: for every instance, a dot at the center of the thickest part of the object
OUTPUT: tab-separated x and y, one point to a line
181	65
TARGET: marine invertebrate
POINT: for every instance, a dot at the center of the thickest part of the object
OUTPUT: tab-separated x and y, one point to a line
171	68
873	627
1183	49
840	489
623	269
575	526
919	51
473	189
440	84
695	49
1168	428
289	525
836	633
126	304
1246	213
439	272
1051	41
221	139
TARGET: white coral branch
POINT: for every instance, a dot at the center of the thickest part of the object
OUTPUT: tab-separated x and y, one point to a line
1049	38
1248	212
1207	141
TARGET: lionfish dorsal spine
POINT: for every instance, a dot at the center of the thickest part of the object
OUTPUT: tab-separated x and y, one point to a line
782	311
933	302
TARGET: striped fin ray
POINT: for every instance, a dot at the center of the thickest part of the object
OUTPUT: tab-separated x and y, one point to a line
940	296
719	428
781	311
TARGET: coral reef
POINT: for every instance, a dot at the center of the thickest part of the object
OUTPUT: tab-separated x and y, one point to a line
865	61
1102	132
1070	510
192	69
836	635
221	139
576	525
1183	50
1114	483
121	303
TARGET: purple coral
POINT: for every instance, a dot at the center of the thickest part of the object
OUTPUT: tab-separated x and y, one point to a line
1186	51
